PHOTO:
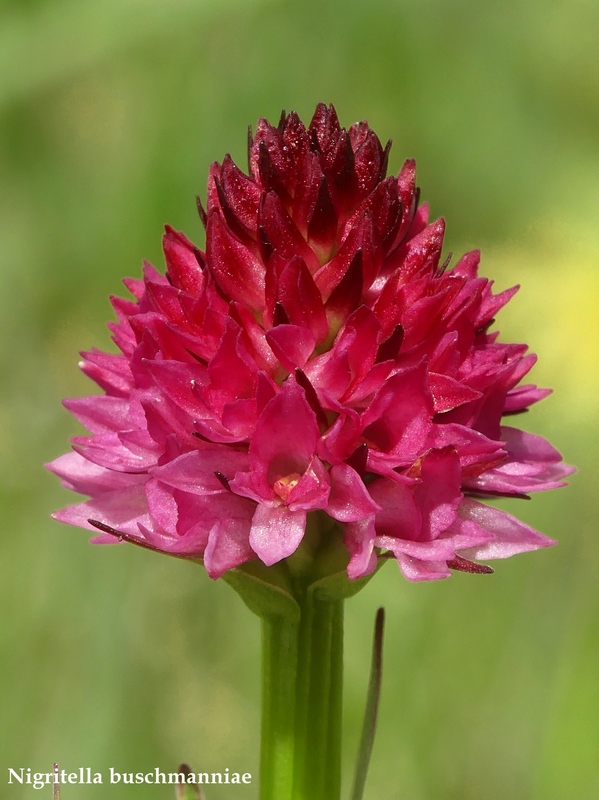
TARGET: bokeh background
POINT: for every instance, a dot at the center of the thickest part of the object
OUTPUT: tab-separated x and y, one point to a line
110	114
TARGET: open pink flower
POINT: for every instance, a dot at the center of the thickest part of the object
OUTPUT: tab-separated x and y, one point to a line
318	357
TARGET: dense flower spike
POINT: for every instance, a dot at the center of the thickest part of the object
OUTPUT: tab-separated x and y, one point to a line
318	358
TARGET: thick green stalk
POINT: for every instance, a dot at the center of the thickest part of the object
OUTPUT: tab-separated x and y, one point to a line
332	783
279	673
302	703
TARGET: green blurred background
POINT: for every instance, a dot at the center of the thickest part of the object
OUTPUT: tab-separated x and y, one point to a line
110	114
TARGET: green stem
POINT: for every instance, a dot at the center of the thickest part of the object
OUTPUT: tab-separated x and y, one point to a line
279	671
332	784
302	703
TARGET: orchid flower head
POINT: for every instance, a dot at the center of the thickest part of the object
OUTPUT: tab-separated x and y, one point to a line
317	360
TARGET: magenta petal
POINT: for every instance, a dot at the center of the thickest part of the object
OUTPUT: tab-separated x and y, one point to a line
238	273
254	338
473	448
180	382
438	495
108	450
181	260
532	465
468	265
510	535
523	446
276	532
100	414
227	516
465	534
301	299
162	506
349	500
253	485
110	371
282	232
330	373
359	539
399	417
291	344
311	492
232	368
286	434
166	300
206	510
342	438
121	509
242	193
191	544
399	516
360	339
514	478
228	547
422	251
493	303
448	393
440	549
416	570
85	477
239	417
522	397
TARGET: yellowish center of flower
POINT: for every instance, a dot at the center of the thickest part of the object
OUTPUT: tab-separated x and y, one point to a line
285	485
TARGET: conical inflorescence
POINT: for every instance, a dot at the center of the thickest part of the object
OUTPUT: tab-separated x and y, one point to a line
319	356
